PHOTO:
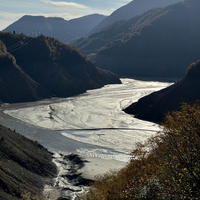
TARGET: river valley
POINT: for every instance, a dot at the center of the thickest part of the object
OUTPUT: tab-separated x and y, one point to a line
91	125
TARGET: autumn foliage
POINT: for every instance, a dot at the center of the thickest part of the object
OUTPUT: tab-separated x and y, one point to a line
167	166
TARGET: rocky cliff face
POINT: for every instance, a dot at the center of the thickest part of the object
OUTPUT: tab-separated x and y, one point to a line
25	166
154	106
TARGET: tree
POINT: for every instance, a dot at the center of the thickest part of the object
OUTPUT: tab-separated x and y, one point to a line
166	166
178	150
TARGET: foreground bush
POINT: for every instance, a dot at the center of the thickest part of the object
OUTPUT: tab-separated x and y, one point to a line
28	196
167	166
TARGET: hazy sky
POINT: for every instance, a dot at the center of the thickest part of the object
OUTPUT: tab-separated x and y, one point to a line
12	10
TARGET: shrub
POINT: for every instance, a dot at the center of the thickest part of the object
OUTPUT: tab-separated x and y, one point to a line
28	196
166	166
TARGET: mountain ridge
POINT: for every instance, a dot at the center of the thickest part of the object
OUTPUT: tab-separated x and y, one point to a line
161	42
61	70
155	106
130	10
26	88
57	27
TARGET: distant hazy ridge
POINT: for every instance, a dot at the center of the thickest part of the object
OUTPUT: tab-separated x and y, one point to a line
160	42
63	30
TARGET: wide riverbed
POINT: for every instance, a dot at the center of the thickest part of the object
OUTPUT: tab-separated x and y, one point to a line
91	125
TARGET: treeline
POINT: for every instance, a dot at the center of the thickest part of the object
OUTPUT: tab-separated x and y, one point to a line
167	166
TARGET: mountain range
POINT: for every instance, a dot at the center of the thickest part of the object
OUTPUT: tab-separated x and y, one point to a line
34	68
154	106
56	27
159	42
130	10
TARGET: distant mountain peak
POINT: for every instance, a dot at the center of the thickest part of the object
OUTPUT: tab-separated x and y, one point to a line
132	9
57	27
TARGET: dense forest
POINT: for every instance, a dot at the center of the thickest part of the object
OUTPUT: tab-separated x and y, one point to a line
154	106
25	167
159	42
34	68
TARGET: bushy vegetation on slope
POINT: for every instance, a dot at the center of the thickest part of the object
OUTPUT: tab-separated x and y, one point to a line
167	166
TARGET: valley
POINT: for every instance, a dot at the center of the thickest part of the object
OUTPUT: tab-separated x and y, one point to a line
91	125
86	106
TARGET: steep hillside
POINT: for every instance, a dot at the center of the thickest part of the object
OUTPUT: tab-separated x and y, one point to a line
130	10
59	68
160	42
154	106
116	33
15	85
24	165
56	27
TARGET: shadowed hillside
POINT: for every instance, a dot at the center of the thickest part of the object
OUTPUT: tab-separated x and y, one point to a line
15	85
163	44
130	10
61	69
56	27
160	42
154	106
24	165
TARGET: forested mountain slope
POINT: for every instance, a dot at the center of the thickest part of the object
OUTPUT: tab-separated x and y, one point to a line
15	85
163	42
160	42
48	67
130	10
154	106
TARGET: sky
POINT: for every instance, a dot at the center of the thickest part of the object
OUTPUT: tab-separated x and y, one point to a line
12	10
